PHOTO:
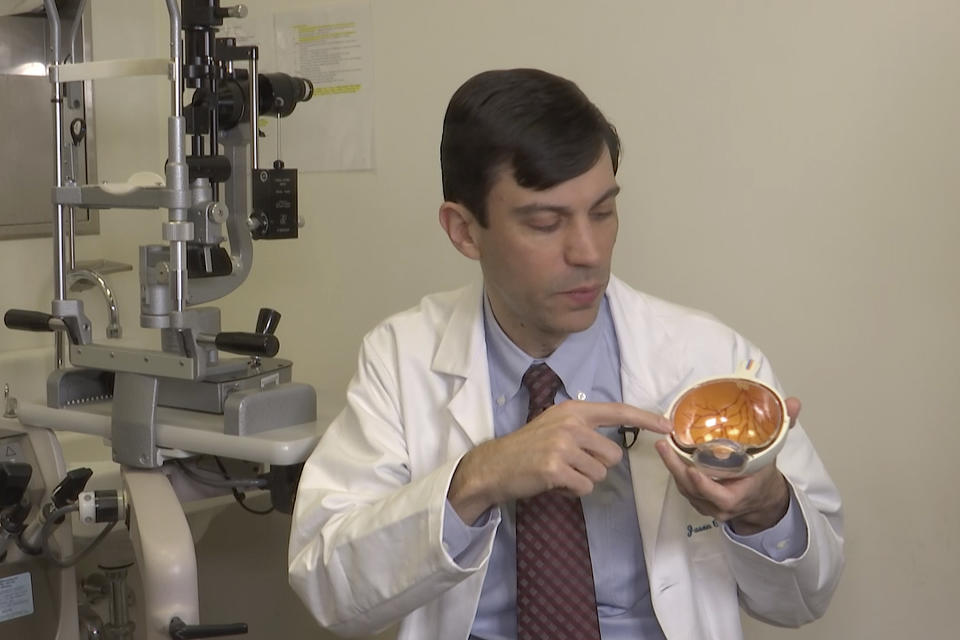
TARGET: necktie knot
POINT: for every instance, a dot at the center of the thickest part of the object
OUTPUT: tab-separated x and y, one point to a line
542	383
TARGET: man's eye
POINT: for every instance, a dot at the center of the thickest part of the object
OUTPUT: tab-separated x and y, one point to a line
544	223
601	215
545	227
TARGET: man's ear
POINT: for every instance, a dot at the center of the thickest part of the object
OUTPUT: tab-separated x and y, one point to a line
461	228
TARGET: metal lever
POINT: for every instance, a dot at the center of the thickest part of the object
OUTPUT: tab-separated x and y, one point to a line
71	486
28	320
180	630
65	493
250	344
25	320
267	320
236	11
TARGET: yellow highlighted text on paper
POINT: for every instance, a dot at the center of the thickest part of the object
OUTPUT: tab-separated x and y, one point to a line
343	88
321	32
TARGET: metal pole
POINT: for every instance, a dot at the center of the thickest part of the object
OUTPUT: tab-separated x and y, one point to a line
176	57
254	110
177	172
59	275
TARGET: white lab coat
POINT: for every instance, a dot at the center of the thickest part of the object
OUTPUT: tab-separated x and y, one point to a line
366	543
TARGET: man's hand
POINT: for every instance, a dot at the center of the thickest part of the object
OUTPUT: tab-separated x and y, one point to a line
749	504
559	449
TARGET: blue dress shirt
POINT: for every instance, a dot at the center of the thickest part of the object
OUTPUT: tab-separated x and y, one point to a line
588	364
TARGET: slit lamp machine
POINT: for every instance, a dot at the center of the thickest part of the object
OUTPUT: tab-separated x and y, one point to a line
205	393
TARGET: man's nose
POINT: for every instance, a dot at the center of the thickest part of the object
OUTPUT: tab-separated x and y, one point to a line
582	245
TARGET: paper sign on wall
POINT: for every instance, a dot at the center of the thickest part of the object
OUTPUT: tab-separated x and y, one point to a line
332	46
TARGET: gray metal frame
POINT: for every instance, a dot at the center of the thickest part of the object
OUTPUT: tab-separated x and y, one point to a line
25	206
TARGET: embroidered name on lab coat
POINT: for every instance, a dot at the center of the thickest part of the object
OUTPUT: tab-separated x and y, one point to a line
692	529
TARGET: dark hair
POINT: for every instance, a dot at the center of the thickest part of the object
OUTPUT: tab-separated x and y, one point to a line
539	125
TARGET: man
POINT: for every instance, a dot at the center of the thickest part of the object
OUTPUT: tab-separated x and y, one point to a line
415	506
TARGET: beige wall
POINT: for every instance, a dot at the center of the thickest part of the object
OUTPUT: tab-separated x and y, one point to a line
790	166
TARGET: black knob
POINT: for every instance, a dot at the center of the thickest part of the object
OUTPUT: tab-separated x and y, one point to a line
27	320
249	344
14	479
180	630
71	486
261	225
267	320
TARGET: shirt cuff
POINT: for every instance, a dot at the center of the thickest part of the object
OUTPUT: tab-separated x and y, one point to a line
464	543
783	541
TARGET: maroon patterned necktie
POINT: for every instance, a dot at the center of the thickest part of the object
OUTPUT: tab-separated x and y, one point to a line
555	592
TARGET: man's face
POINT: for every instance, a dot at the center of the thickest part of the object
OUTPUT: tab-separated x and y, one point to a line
545	255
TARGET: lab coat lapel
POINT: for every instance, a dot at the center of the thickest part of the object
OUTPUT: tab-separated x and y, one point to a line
639	340
462	355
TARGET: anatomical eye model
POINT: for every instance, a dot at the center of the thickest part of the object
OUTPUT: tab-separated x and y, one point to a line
729	426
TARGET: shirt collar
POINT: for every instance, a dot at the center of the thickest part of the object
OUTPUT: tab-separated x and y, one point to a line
575	360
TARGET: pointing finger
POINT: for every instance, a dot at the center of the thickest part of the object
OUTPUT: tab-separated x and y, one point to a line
607	413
